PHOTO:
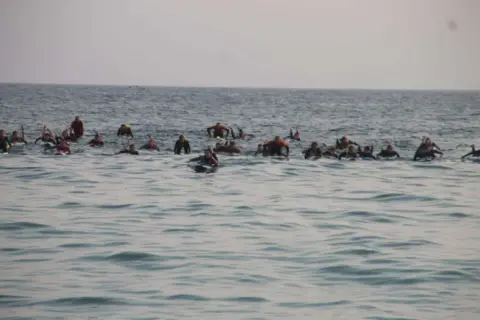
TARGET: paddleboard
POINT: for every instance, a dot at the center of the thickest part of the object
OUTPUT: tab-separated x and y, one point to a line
60	153
199	168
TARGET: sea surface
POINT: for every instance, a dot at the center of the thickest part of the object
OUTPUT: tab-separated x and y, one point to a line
97	236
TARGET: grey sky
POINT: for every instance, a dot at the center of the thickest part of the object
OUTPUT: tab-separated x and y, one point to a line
273	43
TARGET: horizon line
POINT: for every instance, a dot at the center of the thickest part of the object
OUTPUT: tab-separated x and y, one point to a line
46	83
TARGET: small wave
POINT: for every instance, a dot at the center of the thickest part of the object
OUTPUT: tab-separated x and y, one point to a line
313	305
78	301
22	225
246	299
186	230
76	245
388	197
357	252
190	297
411	243
132	256
114	206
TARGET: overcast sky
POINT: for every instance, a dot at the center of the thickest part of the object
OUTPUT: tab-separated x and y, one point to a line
269	43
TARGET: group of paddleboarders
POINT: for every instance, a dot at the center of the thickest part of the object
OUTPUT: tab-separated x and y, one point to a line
343	148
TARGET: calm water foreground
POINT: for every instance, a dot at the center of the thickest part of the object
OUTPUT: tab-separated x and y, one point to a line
96	236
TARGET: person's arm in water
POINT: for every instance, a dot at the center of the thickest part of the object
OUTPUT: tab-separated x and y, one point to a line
232	132
396	153
209	131
288	150
118	132
341	155
186	147
468	154
130	133
196	159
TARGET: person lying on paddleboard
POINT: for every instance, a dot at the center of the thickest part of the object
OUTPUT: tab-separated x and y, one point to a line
181	143
125	130
218	131
130	150
76	128
473	153
228	148
274	147
4	142
241	134
427	150
209	158
15	138
344	142
350	153
314	152
366	153
293	136
97	141
388	152
47	136
62	147
151	144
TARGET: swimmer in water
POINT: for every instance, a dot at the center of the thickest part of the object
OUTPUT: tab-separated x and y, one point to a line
209	158
76	128
241	134
314	152
274	147
218	131
293	136
181	143
97	141
473	153
67	136
125	130
260	150
427	150
228	148
47	136
330	153
62	146
344	142
130	150
151	144
367	153
350	153
388	152
16	138
4	142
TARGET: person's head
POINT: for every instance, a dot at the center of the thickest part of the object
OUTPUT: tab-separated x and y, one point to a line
366	149
122	125
260	147
218	124
77	118
14	133
181	138
389	147
277	139
351	148
314	145
132	147
208	152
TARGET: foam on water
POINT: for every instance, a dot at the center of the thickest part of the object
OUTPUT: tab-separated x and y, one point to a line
91	235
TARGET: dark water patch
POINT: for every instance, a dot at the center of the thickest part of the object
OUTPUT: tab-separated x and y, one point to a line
31	260
390	318
69	205
22	226
381	261
311	212
8	300
454	276
331	226
10	249
14	209
357	252
183	230
406	245
359	214
275	248
458	215
136	256
390	197
188	297
116	243
271	226
34	176
246	299
365	238
82	301
76	245
299	305
114	206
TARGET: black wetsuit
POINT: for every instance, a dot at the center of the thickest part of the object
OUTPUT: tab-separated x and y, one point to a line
125	131
134	152
366	155
388	154
179	145
312	153
426	154
348	155
4	143
204	160
96	143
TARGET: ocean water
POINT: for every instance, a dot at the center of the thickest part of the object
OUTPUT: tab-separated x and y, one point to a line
96	236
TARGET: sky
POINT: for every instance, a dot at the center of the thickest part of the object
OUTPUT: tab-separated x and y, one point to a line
382	44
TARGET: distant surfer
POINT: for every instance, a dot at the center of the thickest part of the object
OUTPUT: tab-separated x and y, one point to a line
427	150
4	141
388	152
473	153
209	158
314	152
241	134
130	150
15	138
62	147
294	136
97	141
182	143
350	153
125	130
274	147
76	128
151	144
218	130
47	136
366	153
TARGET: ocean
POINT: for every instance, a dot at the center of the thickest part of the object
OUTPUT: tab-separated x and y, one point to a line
97	236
